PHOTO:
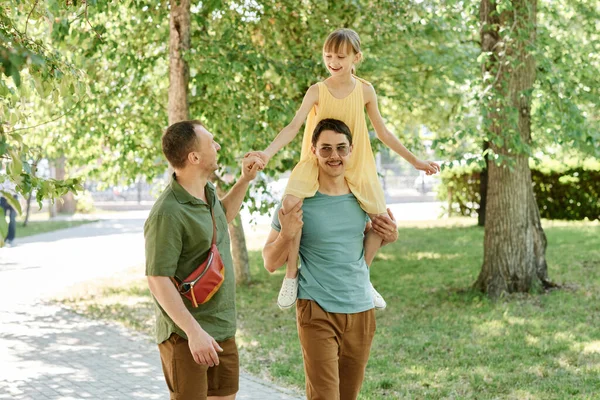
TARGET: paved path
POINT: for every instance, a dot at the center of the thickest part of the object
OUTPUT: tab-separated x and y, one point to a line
47	352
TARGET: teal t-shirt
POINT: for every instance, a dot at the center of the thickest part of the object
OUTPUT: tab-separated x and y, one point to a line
333	271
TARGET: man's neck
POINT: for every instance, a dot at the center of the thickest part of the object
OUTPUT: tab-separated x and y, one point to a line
333	186
193	182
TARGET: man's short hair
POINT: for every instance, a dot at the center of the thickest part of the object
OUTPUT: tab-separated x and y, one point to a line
330	124
180	140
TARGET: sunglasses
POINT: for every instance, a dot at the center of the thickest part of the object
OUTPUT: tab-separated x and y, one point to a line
326	151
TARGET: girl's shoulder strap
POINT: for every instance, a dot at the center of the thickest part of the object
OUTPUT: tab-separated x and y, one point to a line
362	80
322	87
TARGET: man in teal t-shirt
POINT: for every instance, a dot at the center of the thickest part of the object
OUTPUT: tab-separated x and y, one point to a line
197	344
335	314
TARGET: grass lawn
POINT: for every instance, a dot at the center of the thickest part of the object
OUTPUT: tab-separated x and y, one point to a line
42	226
437	339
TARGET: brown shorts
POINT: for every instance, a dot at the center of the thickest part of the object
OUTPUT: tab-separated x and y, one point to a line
335	349
188	380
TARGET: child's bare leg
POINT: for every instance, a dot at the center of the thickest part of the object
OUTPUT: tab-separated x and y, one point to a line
291	269
289	288
373	243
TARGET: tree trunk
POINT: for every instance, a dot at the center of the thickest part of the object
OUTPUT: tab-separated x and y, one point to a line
239	251
139	190
483	185
539	244
67	203
514	243
179	43
28	209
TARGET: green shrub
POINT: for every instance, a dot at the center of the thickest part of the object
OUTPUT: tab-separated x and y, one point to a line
570	194
85	203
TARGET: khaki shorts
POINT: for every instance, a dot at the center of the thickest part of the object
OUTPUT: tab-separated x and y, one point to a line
188	380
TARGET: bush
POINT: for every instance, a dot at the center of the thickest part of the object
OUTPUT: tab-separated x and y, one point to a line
571	194
85	203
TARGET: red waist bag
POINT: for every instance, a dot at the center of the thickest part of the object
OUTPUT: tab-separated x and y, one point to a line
202	284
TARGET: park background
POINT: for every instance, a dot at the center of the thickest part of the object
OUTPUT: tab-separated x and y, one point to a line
496	299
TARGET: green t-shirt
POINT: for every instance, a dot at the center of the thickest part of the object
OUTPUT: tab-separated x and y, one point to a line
333	269
178	234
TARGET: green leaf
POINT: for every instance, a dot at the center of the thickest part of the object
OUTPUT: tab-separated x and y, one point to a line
12	201
16	76
17	165
3	227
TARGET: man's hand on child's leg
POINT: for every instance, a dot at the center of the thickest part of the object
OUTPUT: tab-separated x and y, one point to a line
385	226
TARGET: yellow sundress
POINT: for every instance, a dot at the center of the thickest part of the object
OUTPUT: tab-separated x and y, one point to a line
361	171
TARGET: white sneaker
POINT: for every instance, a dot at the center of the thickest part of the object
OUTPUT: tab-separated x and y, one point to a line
288	293
378	300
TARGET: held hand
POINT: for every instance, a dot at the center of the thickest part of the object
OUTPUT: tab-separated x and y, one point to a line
204	348
430	167
251	166
260	154
291	222
385	226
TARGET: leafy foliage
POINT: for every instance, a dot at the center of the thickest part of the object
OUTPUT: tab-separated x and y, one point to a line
92	77
36	83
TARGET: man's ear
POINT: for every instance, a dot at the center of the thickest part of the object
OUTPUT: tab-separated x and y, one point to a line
313	149
193	158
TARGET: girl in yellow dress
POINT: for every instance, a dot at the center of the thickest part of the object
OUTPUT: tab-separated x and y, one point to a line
342	96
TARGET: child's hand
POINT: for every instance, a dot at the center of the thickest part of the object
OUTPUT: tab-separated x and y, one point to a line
429	167
260	154
250	167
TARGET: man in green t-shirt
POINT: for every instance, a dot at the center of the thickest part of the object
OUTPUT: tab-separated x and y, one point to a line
335	310
197	344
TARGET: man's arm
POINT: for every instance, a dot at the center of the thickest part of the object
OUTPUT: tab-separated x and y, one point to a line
202	346
233	200
275	252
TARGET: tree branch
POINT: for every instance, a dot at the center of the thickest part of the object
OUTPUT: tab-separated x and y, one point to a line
48	122
89	23
29	15
500	63
77	17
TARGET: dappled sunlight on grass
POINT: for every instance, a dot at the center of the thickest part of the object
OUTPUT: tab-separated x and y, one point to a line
532	340
123	297
243	340
491	328
448	223
421	255
438	338
36	227
583	225
514	320
386	257
591	347
523	395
